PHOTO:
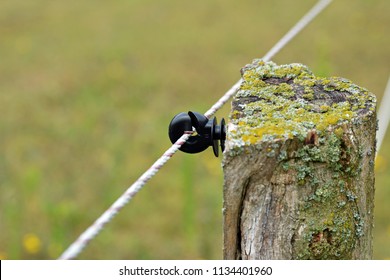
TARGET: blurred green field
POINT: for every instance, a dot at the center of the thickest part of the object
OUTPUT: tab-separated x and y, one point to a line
88	88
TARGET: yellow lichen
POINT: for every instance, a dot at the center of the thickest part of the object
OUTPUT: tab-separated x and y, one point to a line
324	108
289	108
339	131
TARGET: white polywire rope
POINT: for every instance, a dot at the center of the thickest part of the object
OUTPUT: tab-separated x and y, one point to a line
302	23
82	241
297	28
110	213
383	116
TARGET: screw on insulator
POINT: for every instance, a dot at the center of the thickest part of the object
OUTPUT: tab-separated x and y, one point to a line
207	132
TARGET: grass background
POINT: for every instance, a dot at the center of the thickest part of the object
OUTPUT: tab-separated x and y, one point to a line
88	88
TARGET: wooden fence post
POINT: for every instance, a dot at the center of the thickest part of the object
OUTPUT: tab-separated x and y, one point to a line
299	166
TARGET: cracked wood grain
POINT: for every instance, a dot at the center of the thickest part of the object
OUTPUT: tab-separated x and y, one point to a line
308	193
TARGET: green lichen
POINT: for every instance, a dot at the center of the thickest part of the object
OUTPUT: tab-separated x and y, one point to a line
286	101
330	213
308	95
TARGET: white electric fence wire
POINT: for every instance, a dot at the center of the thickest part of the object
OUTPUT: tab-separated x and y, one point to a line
82	241
383	116
297	28
302	23
110	213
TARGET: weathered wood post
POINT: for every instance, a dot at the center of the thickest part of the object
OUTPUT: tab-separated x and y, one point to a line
299	166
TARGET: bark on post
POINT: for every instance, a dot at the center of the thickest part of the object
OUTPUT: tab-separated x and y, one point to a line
299	166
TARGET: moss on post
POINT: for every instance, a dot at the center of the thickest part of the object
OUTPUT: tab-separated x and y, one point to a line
299	166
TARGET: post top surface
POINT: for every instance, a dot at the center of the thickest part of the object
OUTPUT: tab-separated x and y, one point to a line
287	101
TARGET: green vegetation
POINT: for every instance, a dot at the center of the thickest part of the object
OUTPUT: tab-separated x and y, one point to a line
88	88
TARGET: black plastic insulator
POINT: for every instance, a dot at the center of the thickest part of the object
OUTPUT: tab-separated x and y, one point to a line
207	132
